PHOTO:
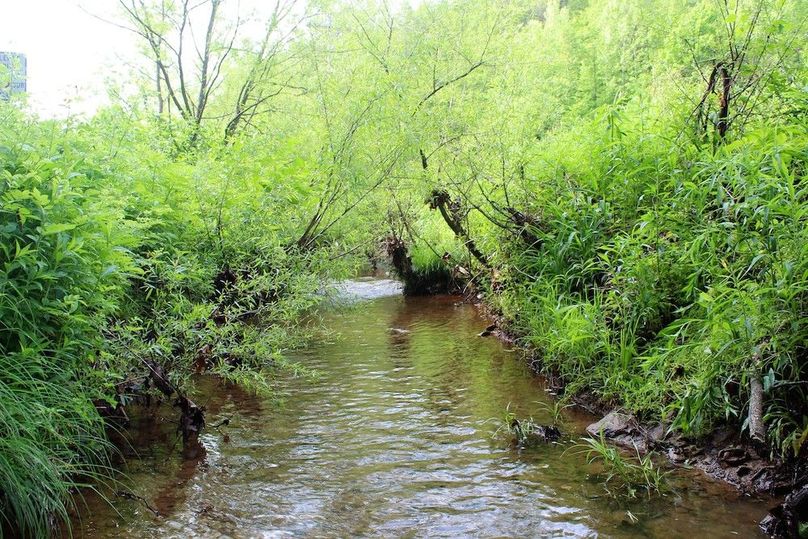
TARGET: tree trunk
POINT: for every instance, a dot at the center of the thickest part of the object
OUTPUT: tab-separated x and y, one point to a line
440	200
757	429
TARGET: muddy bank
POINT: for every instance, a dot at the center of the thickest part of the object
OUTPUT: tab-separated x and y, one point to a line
395	437
725	454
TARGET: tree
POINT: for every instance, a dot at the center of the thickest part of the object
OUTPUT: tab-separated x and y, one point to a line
190	67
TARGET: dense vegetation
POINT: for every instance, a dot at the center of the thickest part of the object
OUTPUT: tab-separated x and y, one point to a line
623	180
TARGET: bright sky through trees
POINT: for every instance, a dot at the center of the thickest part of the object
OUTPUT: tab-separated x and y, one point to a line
70	52
73	50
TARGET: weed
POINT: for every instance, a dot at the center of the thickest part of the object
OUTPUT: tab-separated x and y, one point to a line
627	474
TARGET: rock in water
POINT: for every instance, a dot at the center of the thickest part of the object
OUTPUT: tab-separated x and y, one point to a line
398	331
547	433
531	435
785	519
487	331
620	428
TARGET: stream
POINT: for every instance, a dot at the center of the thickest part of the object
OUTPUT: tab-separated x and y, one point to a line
395	437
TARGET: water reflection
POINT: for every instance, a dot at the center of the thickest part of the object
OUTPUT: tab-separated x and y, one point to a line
394	439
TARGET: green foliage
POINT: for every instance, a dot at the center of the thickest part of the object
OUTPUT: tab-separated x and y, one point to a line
555	410
693	295
627	474
526	432
112	260
61	275
644	234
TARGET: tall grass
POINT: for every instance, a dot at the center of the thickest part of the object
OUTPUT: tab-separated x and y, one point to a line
699	286
52	443
625	474
112	260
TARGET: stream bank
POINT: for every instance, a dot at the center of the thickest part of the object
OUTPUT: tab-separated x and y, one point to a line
724	455
394	437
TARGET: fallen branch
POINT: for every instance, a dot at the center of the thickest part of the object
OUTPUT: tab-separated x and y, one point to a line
129	495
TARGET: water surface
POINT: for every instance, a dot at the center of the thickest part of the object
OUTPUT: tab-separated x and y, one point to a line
394	439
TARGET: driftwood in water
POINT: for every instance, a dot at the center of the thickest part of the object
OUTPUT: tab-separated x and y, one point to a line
160	378
784	520
192	418
399	257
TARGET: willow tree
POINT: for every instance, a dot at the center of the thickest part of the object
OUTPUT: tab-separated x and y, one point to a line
194	45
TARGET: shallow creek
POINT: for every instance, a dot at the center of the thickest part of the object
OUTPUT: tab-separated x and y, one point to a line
394	438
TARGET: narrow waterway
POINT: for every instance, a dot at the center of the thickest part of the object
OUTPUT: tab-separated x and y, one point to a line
394	438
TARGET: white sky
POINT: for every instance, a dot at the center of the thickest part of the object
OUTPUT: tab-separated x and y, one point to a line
72	50
69	51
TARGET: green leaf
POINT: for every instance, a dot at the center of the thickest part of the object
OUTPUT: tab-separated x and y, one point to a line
56	228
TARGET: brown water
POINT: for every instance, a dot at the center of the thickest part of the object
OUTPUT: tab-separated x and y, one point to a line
394	439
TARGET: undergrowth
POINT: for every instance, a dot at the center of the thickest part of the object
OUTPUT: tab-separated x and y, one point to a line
624	475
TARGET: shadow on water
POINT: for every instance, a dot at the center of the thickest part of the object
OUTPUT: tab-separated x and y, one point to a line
394	438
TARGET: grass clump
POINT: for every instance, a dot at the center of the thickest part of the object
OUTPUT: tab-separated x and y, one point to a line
524	433
624	475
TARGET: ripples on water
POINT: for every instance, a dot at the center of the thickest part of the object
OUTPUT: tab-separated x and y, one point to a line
364	289
394	439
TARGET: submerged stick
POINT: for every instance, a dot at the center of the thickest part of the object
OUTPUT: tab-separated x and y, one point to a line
129	495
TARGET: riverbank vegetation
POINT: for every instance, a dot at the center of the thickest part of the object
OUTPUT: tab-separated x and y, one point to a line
625	475
623	181
124	272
